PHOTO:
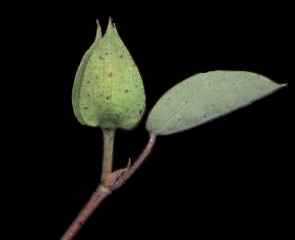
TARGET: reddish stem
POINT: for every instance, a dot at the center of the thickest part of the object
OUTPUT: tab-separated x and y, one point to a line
97	197
130	171
105	189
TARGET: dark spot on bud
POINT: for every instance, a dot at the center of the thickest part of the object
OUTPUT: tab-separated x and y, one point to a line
121	56
108	97
106	53
110	74
85	108
101	57
117	116
126	91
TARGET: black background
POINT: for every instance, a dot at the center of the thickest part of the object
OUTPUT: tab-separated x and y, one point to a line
230	177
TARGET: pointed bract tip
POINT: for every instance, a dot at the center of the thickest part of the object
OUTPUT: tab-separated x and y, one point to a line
284	84
111	25
281	85
98	31
115	28
110	20
97	22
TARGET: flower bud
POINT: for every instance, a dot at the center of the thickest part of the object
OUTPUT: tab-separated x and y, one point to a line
108	91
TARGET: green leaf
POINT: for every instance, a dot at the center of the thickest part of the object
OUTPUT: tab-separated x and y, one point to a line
204	97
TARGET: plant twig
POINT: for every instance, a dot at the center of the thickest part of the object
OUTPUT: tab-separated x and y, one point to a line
97	197
108	146
111	182
138	162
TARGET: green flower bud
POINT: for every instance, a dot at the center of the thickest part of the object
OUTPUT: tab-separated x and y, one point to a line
108	91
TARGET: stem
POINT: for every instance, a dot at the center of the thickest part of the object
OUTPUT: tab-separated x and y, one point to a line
97	197
108	146
106	188
147	150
